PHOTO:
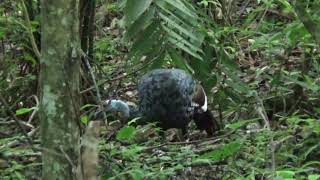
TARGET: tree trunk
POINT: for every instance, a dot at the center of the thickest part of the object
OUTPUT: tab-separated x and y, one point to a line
59	90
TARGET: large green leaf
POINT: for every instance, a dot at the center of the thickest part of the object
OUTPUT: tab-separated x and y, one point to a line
155	28
182	43
179	61
145	42
178	4
158	60
134	9
185	48
140	24
171	22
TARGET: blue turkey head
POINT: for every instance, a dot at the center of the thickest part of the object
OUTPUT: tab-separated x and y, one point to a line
116	106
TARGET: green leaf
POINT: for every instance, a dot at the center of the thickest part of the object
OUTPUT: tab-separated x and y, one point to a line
19	176
177	16
210	82
286	5
182	43
285	174
310	163
131	151
134	9
224	152
310	150
317	127
308	84
126	133
313	177
87	106
24	110
140	24
185	48
29	57
179	61
3	32
241	123
236	83
158	61
232	94
146	40
180	6
173	24
137	174
226	60
295	32
84	119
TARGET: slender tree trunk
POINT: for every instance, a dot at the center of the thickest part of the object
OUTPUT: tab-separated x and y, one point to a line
59	89
87	27
91	29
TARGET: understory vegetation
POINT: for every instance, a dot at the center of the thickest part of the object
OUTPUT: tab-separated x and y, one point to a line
258	61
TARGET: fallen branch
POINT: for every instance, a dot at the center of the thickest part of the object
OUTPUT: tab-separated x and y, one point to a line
17	142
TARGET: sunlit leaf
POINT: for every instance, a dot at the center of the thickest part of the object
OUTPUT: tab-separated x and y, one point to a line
313	177
24	110
87	106
84	119
285	174
126	133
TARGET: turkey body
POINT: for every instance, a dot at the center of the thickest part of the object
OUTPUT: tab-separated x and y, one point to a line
170	97
165	96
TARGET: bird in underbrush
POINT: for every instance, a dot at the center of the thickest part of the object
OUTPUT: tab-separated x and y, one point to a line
170	97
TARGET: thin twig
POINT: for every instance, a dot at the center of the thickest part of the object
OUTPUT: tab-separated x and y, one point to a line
66	156
93	77
34	112
16	142
25	124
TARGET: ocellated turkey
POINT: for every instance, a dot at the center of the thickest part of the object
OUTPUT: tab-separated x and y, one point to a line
170	97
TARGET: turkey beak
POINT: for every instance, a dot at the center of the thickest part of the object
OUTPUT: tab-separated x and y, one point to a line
200	98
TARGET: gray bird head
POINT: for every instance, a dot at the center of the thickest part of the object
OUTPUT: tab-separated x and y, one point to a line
116	106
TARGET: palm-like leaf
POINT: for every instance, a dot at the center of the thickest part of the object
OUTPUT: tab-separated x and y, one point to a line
156	26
